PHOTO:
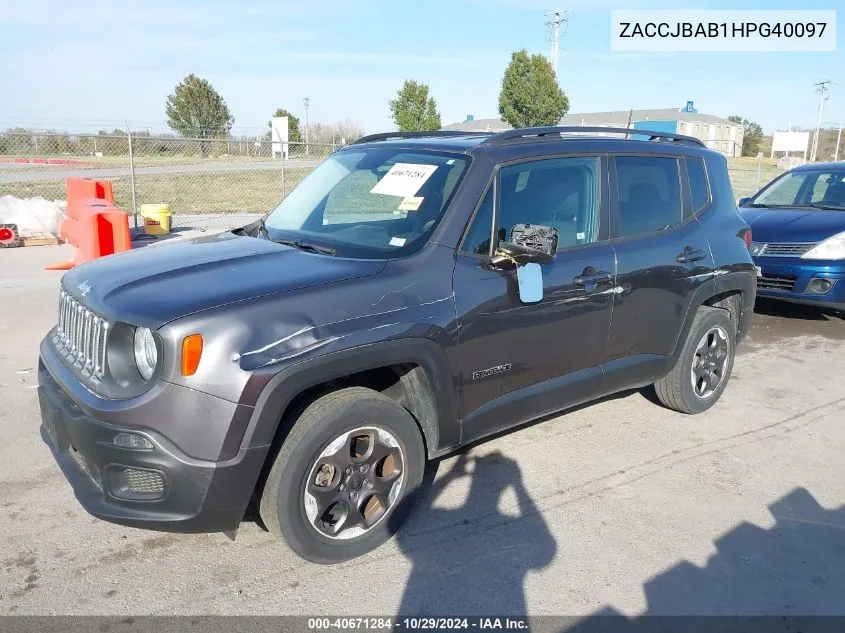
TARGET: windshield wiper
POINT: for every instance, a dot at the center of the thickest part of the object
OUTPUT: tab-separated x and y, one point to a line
306	246
759	205
827	207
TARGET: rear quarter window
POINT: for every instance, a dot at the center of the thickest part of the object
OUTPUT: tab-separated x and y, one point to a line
699	187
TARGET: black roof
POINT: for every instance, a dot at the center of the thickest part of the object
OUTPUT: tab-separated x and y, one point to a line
466	141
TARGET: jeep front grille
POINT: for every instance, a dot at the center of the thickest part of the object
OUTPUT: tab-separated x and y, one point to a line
82	336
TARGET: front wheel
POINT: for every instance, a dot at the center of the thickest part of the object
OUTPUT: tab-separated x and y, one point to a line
345	476
701	372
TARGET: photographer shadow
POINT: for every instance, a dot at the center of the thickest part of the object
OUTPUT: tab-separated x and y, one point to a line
795	569
473	559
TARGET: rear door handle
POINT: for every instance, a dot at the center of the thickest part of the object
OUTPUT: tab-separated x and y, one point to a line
690	255
593	278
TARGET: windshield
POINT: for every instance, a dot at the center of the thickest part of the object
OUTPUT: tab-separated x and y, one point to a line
369	202
813	189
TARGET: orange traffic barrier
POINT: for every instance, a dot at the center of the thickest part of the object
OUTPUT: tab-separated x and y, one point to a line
93	224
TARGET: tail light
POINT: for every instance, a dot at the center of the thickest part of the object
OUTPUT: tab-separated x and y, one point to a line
747	236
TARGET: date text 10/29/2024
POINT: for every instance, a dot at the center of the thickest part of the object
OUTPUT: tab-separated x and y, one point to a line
418	624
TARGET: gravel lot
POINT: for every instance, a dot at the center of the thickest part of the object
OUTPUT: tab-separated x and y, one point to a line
621	506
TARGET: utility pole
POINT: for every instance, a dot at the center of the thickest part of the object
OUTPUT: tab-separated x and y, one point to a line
553	22
822	89
306	101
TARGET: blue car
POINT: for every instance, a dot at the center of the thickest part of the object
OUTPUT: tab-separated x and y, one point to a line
798	235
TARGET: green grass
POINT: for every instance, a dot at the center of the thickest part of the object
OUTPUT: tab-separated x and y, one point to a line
216	192
259	191
744	174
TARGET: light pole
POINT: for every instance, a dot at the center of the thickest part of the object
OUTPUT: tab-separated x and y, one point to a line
822	89
306	101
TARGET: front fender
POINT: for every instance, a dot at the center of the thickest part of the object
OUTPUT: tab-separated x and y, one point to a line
272	393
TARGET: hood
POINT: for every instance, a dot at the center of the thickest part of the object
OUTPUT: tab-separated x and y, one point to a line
793	225
153	285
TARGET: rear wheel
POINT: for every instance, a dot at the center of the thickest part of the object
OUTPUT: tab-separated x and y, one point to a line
701	372
345	476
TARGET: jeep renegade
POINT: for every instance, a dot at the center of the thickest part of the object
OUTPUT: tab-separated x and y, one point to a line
415	293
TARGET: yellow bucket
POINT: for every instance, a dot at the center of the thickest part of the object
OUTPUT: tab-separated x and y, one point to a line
156	218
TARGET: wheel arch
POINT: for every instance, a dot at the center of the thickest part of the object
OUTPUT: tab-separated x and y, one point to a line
423	385
734	292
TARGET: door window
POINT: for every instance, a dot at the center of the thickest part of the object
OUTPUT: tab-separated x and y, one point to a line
477	240
559	192
649	194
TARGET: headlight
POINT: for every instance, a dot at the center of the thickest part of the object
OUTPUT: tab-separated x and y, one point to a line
831	248
146	353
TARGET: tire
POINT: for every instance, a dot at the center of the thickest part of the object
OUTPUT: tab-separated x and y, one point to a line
684	389
314	459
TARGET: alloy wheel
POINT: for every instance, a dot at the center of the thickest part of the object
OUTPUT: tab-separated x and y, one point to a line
710	362
354	482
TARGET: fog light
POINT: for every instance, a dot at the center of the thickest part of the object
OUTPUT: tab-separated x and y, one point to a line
820	286
135	484
133	441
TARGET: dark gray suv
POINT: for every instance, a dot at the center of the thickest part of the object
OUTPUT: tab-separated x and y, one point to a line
415	293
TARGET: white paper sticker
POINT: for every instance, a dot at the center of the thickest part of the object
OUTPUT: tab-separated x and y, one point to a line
404	180
580	236
397	241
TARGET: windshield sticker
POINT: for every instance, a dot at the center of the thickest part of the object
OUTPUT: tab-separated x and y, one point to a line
521	180
397	241
411	204
403	180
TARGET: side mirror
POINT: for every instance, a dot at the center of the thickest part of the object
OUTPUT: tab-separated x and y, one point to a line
529	243
529	278
743	201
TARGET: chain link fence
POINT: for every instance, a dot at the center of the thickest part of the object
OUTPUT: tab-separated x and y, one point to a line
749	175
207	182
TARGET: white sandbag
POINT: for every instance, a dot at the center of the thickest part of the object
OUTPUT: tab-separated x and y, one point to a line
32	215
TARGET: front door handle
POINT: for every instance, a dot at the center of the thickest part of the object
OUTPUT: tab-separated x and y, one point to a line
689	255
592	278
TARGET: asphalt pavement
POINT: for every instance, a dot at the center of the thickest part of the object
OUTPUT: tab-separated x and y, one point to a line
621	506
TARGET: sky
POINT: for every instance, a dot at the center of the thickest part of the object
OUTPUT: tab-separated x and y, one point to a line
92	64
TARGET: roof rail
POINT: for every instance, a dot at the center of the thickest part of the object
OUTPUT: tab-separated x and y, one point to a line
383	136
538	133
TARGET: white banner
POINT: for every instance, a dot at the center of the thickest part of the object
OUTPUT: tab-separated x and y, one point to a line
739	31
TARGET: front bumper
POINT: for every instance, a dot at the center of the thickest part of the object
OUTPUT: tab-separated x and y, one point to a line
790	279
167	490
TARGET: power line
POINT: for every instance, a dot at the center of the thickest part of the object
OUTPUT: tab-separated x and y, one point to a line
553	22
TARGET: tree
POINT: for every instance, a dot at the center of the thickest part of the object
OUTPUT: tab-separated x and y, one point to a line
752	138
348	130
413	109
196	109
294	133
530	94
